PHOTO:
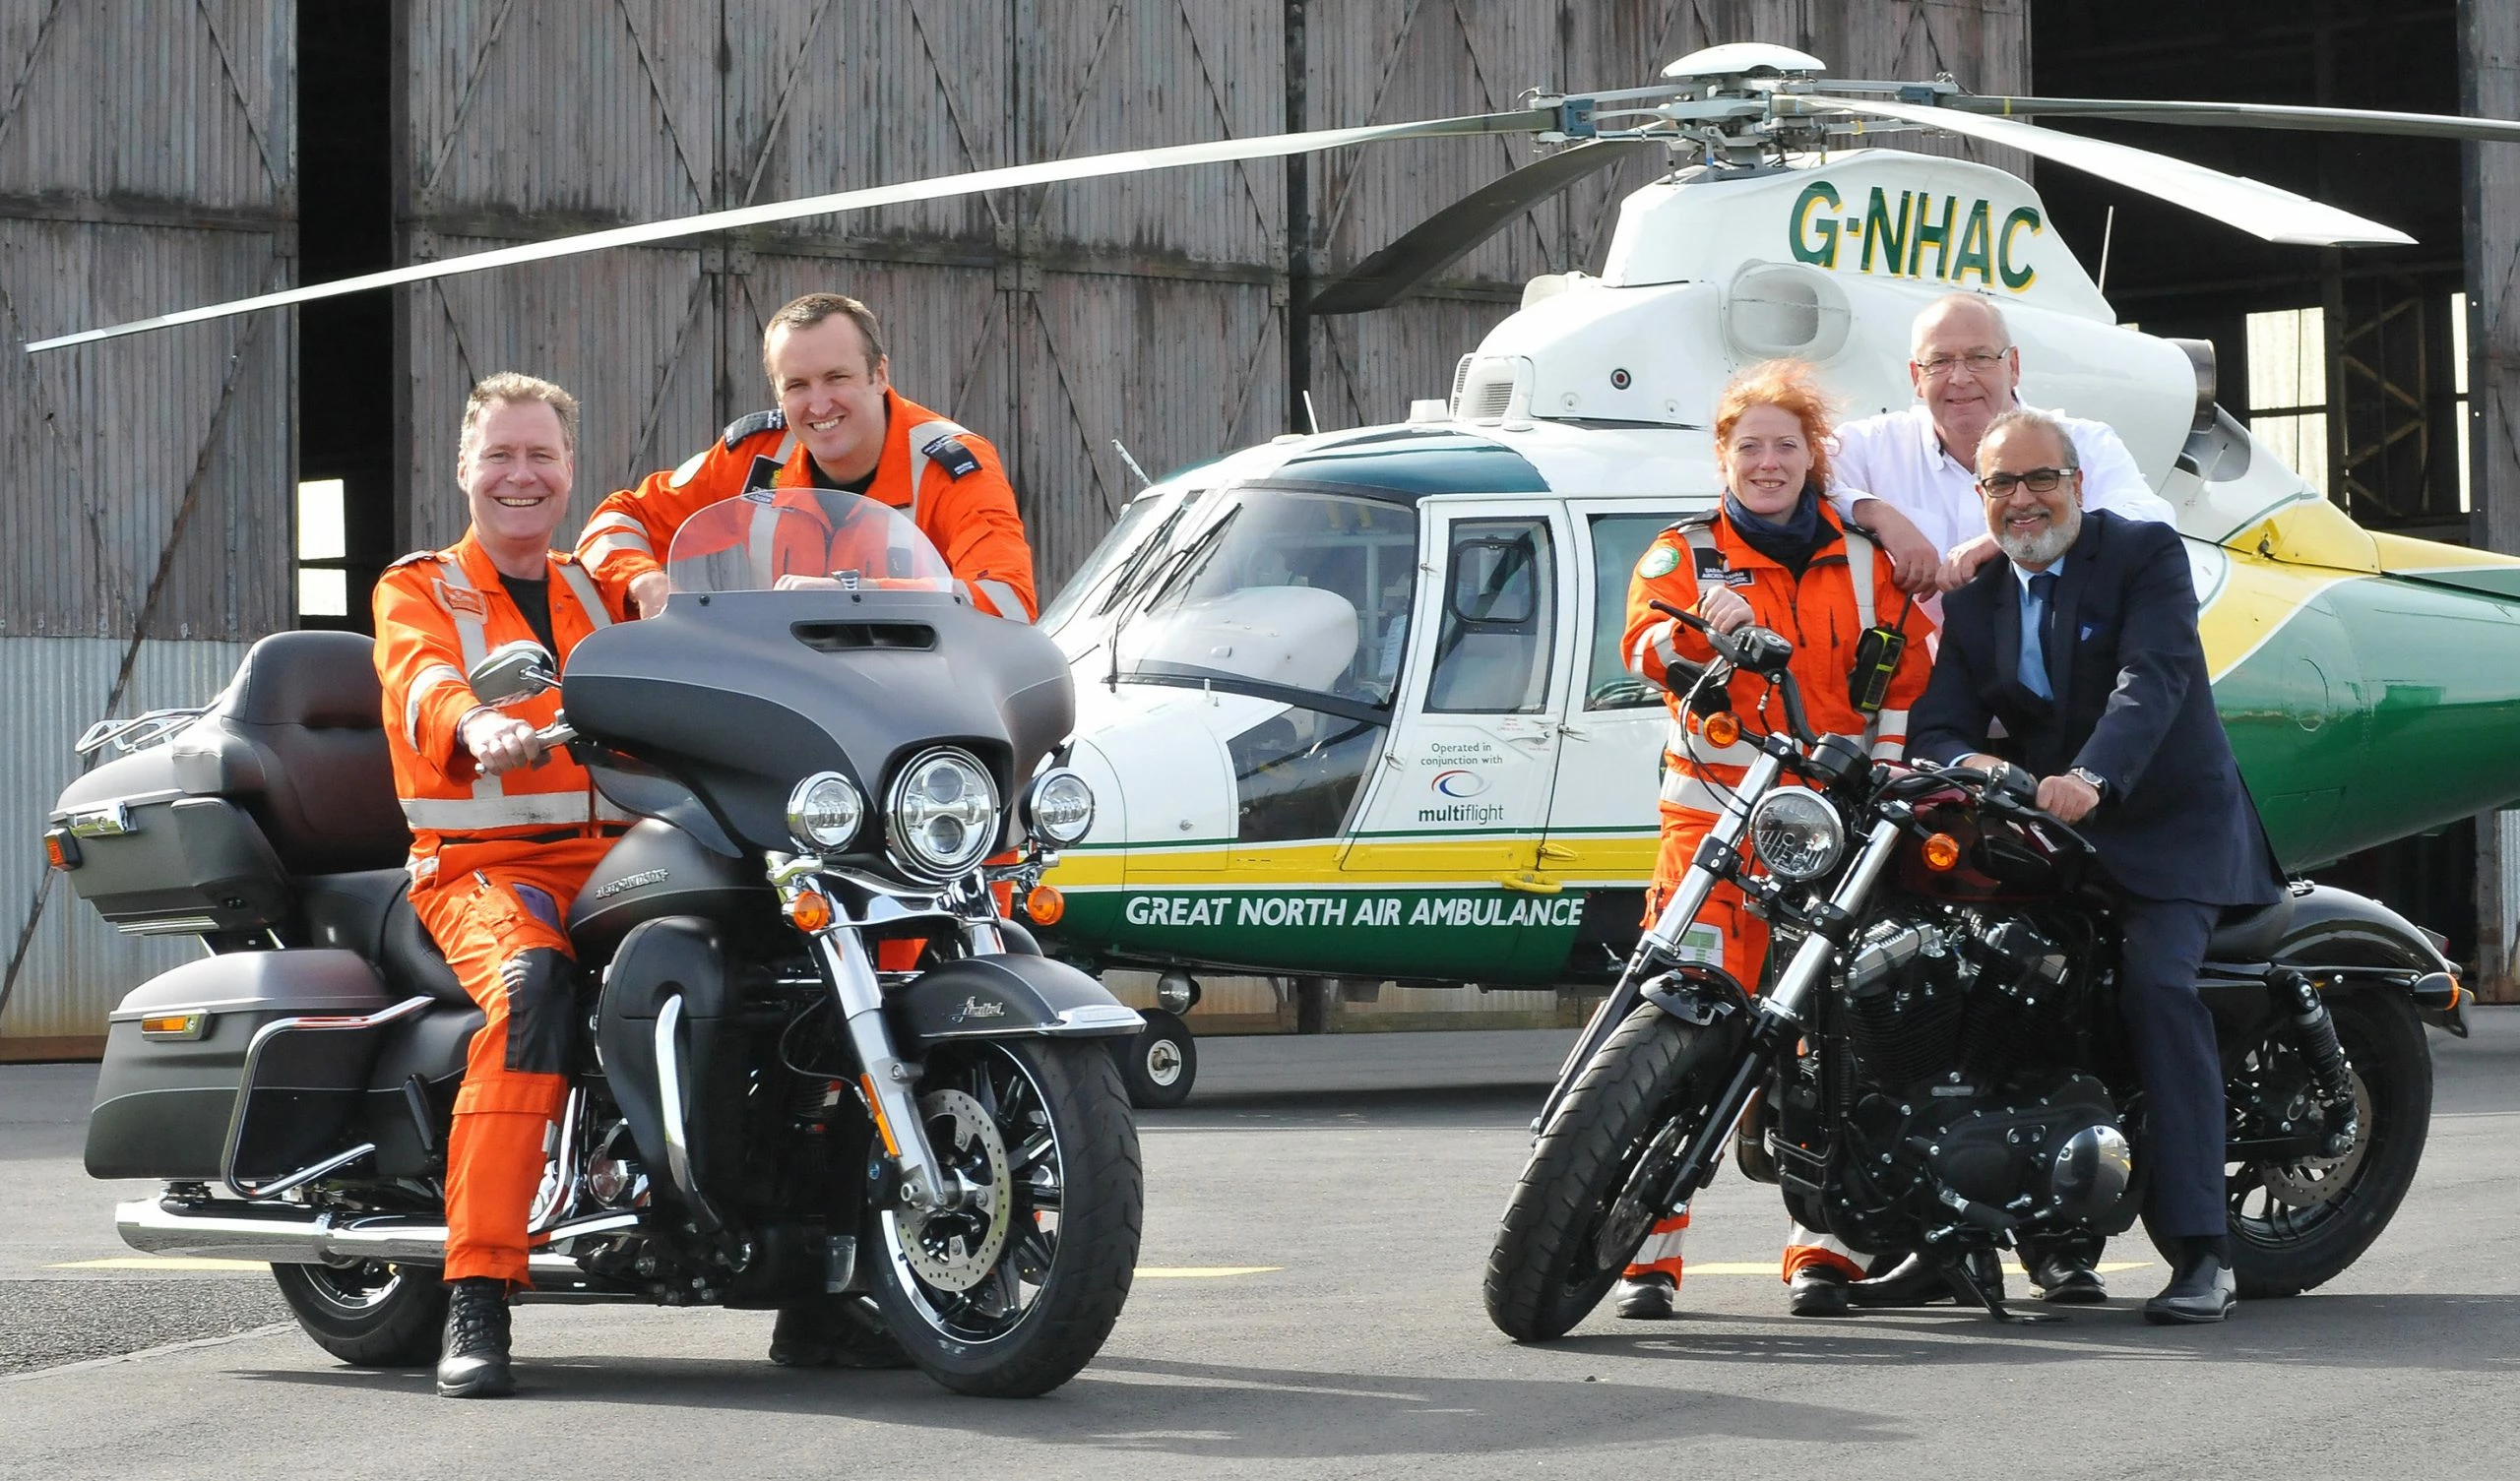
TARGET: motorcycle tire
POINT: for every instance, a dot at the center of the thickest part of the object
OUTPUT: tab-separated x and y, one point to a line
1158	1063
1644	1092
370	1315
2328	1214
1013	1306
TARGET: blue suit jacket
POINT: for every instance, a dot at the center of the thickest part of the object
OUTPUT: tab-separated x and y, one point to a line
2133	702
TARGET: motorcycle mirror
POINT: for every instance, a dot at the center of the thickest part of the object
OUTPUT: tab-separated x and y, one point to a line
511	673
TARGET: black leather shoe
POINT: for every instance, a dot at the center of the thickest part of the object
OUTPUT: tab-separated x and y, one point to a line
2067	1280
474	1361
1647	1298
2202	1290
1910	1283
1818	1292
833	1332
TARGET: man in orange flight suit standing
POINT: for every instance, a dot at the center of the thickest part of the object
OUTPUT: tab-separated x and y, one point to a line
504	832
841	425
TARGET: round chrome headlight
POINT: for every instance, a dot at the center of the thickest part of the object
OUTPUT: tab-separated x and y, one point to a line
1797	834
944	813
1058	807
824	811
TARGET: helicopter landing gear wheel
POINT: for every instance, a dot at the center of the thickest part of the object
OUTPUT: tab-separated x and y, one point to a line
1160	1062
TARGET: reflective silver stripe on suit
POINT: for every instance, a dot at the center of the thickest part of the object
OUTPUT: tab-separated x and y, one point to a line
1008	602
923	433
605	547
480	814
474	639
761	544
589	601
430	679
1684	790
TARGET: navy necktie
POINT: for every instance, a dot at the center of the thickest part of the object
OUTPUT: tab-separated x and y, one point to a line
2034	626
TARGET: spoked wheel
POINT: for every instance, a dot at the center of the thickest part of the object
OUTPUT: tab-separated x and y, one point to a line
371	1315
1587	1198
1011	1291
2295	1224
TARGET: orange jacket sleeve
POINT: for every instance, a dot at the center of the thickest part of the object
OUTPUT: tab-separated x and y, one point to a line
420	666
1653	642
975	527
632	530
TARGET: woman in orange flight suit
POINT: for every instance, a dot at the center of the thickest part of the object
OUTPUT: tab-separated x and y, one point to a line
1773	553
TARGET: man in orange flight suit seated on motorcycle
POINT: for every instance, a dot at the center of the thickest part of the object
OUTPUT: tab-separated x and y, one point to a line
841	425
504	832
1773	553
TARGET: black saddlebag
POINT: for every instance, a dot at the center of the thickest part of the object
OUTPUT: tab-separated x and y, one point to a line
178	1048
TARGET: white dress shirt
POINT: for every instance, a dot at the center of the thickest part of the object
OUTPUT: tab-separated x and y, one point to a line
1898	459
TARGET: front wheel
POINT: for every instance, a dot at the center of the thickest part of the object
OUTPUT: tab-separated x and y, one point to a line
1010	1293
369	1315
1586	1201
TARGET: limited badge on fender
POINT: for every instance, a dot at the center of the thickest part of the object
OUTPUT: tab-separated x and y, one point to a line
1662	559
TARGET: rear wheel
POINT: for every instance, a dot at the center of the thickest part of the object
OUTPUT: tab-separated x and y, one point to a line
370	1315
1011	1292
1586	1201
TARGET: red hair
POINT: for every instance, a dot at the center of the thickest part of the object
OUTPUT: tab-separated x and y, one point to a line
1787	384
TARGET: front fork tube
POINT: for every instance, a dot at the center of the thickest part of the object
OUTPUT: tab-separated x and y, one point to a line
887	1077
1658	946
1779	1016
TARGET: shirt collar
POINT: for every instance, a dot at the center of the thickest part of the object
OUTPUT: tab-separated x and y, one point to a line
2023	576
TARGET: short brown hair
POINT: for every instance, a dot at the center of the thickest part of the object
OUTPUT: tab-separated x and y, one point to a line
1787	384
513	386
813	309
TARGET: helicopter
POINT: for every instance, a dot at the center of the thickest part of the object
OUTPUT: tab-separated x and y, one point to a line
1352	701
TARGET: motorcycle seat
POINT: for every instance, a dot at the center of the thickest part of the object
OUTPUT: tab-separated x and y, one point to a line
2249	933
369	912
297	739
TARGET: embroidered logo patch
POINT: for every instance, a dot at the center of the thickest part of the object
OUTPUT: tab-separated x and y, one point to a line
462	599
1662	559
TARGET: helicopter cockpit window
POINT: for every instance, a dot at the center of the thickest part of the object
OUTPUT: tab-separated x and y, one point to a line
1618	543
1135	540
1499	619
1286	589
1296	773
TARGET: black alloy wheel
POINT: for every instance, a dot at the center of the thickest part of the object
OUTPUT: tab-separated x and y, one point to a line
370	1314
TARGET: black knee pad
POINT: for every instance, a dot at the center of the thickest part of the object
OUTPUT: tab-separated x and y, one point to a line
540	1005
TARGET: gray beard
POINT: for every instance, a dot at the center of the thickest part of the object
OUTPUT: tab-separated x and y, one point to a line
2042	550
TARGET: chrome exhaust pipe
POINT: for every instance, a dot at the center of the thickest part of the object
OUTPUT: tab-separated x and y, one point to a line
294	1236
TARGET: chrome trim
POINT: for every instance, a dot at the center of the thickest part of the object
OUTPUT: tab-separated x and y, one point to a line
1812	960
287	1235
254	1048
111	821
860	1003
796	796
669	1106
572	1178
168	925
1098	1018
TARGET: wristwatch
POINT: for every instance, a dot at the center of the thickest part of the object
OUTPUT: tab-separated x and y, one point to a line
2091	779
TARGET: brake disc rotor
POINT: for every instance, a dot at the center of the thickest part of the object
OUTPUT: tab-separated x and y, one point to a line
955	1248
2312	1181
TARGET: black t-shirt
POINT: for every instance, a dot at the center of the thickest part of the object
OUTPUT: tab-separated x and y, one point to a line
534	600
853	486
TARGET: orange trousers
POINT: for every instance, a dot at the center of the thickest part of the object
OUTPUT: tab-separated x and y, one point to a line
1728	935
488	906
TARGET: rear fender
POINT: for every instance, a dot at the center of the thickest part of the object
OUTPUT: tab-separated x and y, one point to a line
2344	941
1003	996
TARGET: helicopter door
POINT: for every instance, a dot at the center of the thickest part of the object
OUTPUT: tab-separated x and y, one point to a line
1456	810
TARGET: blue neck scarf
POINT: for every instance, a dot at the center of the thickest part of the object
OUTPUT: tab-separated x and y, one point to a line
1790	541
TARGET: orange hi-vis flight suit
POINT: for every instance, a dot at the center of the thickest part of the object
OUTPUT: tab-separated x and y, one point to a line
495	861
1823	616
947	481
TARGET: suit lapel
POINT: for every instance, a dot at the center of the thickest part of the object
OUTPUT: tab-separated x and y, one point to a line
2066	630
2003	592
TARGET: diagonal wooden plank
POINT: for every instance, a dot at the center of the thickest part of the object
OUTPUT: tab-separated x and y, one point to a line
34	55
463	104
1075	408
1224	118
1084	84
642	454
779	108
281	183
692	168
1349	178
953	112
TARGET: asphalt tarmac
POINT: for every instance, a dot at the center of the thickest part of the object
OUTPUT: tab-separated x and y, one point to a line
1317	1220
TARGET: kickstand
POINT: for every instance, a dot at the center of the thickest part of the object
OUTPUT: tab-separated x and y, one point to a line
1989	1292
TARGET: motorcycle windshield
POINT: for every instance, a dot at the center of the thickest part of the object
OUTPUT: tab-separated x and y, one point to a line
791	539
1298	593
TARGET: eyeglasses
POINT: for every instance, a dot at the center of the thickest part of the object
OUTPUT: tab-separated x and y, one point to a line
2037	480
1978	364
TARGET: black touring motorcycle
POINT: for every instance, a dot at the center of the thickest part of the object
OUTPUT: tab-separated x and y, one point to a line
1936	1063
760	1113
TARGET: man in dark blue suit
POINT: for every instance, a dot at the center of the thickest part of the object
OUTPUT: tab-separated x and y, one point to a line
2082	642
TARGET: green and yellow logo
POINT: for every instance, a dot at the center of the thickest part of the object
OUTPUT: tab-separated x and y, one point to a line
1924	235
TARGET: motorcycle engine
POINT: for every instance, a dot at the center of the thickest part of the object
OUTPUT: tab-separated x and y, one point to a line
1960	997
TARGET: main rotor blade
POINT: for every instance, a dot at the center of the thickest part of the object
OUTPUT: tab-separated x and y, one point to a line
1120	162
1450	234
2254	207
2243	116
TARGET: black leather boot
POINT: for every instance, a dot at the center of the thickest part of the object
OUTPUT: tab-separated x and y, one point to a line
473	1361
2201	1285
1818	1292
1910	1283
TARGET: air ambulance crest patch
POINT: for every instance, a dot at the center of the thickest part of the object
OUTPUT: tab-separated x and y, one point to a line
1659	561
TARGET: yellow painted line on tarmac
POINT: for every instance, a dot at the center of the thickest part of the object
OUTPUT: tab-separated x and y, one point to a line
162	1262
1202	1272
1768	1267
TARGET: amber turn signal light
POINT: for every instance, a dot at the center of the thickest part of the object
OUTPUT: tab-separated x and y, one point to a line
1721	729
1044	905
1942	852
810	911
60	850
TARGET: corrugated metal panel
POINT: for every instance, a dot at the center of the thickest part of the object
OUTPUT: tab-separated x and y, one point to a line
76	968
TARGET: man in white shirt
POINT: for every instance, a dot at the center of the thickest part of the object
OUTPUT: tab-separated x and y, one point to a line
1910	476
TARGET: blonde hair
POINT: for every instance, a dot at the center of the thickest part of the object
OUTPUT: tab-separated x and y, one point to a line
1791	384
508	387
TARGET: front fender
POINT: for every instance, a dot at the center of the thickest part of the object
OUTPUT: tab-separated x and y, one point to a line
1007	997
2335	928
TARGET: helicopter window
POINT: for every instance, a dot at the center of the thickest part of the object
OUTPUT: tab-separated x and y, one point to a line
1501	619
1291	590
1618	543
1131	545
1296	773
